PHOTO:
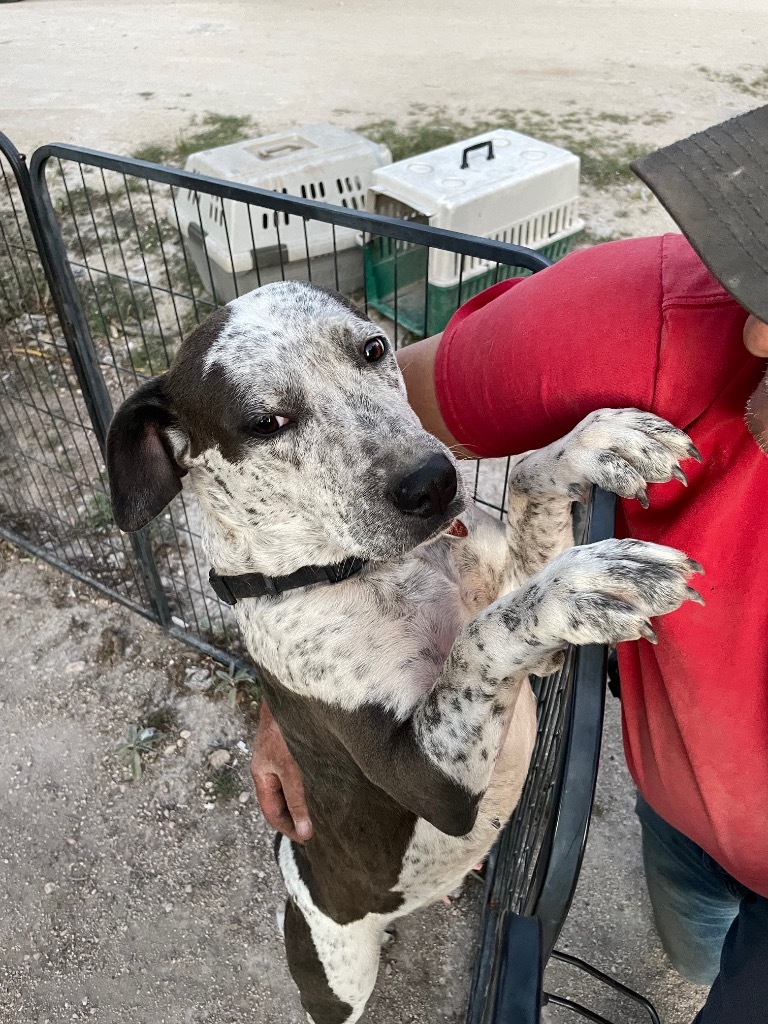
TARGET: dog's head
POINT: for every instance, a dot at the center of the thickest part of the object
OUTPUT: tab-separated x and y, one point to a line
289	412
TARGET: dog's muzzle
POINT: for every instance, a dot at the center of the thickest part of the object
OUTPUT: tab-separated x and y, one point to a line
428	490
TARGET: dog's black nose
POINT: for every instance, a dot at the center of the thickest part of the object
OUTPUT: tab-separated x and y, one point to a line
428	490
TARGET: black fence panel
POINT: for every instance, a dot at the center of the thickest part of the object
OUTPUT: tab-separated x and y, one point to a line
148	252
53	498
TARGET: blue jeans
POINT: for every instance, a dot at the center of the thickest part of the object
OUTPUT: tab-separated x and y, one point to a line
713	929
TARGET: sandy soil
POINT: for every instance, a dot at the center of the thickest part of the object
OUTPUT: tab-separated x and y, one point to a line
113	75
138	902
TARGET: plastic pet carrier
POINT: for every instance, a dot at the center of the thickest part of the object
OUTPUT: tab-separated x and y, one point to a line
500	185
236	248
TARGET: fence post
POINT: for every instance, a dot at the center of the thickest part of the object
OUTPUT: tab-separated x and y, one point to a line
77	336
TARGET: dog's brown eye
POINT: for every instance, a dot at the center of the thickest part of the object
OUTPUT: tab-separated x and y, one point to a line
375	349
266	425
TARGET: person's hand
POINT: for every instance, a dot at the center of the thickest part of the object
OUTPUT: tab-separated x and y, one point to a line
278	780
756	337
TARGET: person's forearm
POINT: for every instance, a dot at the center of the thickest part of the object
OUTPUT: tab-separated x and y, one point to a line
417	363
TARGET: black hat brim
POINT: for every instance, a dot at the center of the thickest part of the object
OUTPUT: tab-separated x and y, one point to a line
715	187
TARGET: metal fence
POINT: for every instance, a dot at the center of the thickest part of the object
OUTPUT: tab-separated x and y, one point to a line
125	281
102	274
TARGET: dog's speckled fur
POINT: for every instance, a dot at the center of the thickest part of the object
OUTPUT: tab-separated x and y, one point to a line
403	693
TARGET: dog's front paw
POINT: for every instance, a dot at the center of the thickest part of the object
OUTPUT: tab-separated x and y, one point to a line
608	592
620	450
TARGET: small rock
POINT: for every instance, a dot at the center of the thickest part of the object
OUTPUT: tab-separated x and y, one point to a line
49	887
169	750
187	889
74	668
218	758
198	679
244	798
185	734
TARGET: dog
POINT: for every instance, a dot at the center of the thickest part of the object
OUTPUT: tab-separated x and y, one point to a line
394	624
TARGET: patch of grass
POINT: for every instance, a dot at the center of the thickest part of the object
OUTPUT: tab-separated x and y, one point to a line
138	743
225	784
153	353
600	140
157	234
210	131
99	512
234	682
114	306
162	533
614	118
588	238
93	199
23	289
654	117
753	82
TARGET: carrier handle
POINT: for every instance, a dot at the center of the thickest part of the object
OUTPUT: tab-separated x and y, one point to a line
478	145
279	149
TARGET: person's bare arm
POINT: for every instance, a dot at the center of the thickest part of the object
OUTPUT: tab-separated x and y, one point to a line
756	337
278	780
417	364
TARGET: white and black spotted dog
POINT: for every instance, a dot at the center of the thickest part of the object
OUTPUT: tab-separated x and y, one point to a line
402	691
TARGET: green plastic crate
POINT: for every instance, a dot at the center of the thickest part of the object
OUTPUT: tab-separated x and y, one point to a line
396	274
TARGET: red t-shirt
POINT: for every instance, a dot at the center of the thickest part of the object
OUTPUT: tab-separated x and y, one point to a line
642	323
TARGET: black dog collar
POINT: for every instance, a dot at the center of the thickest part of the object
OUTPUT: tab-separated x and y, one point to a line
231	589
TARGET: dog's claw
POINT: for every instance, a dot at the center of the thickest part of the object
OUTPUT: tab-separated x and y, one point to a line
642	497
692	566
694	595
649	633
693	452
678	474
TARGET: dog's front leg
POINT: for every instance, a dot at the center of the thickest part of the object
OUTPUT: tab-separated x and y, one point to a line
439	761
620	450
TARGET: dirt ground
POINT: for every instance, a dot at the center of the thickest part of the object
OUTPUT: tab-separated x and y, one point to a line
152	902
114	75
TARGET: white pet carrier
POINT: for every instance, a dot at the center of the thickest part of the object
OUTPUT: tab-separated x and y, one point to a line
237	247
501	185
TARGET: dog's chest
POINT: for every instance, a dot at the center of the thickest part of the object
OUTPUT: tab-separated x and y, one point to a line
383	638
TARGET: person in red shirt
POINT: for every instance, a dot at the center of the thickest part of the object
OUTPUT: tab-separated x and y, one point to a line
643	323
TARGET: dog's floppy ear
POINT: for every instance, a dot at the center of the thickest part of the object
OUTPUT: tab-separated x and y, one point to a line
143	473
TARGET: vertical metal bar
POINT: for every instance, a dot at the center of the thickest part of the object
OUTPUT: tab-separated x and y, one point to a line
74	325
